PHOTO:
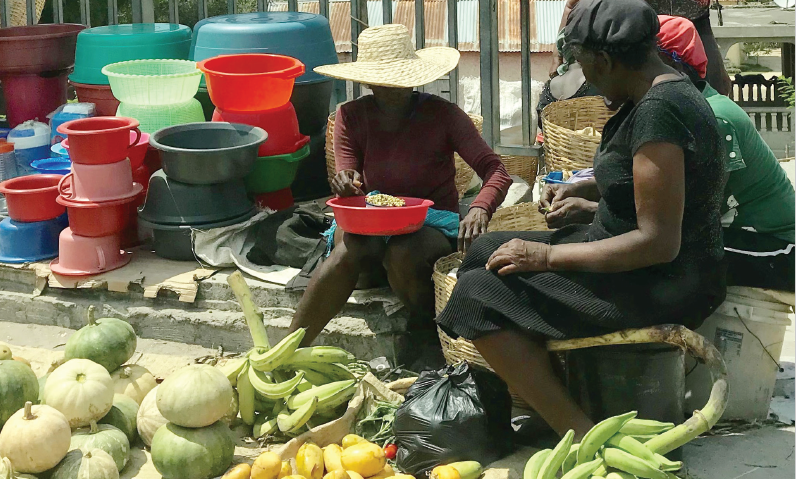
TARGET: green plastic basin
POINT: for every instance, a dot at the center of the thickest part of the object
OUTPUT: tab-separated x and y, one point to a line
274	173
101	46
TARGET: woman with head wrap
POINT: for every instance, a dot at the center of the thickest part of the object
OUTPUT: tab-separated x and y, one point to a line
653	254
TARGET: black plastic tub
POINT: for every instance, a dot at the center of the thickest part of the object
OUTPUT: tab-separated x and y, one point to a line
208	153
311	179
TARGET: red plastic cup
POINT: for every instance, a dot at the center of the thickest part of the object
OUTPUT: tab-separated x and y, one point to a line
94	220
32	198
100	140
281	124
136	153
84	256
354	217
100	95
250	81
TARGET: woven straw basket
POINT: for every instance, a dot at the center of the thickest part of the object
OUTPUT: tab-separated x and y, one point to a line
526	167
564	147
464	174
522	217
19	13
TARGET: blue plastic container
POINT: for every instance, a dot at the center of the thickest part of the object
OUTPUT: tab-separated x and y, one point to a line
52	166
29	242
58	151
68	112
305	36
31	141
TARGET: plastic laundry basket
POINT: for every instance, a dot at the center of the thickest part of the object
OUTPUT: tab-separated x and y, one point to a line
748	329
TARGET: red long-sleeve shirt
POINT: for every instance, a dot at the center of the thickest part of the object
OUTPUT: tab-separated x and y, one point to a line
416	159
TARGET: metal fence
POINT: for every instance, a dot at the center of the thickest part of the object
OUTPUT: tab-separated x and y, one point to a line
144	11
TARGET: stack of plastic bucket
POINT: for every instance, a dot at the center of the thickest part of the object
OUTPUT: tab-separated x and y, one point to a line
30	233
748	329
157	93
98	194
304	36
254	89
101	46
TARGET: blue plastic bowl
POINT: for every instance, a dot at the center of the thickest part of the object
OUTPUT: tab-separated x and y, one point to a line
52	166
30	242
59	151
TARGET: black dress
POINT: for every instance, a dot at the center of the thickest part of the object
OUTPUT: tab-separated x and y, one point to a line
580	304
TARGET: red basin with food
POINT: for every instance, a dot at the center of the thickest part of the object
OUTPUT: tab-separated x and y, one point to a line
136	153
354	217
250	81
94	220
32	198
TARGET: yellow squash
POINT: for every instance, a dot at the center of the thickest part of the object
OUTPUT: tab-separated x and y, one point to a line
267	466
309	461
352	440
241	471
332	455
445	472
384	473
286	471
366	458
354	475
337	475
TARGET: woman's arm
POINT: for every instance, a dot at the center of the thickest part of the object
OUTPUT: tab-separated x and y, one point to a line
659	187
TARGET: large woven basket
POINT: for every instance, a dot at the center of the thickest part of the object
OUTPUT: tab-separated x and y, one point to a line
526	167
564	147
19	12
522	217
464	174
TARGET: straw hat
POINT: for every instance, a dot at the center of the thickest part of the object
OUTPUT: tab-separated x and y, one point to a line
386	58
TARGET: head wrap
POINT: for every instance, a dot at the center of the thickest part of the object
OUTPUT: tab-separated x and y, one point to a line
565	52
611	25
679	40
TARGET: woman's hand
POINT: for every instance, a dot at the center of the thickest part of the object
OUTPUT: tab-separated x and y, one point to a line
570	211
347	183
554	192
472	226
518	256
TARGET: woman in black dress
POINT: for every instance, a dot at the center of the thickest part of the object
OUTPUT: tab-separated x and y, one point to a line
653	253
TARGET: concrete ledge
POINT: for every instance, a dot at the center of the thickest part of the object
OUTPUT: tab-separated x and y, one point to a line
214	320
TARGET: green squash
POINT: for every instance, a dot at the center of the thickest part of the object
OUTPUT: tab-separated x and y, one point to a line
109	342
42	382
18	385
96	464
106	438
122	416
183	453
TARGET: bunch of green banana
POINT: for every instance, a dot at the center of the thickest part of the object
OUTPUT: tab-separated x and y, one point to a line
610	450
281	389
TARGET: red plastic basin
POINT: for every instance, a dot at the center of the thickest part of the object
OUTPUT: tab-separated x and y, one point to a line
33	96
99	95
354	217
32	198
100	140
250	81
281	124
94	220
136	153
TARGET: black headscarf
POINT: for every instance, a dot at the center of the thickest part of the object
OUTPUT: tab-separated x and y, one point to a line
611	25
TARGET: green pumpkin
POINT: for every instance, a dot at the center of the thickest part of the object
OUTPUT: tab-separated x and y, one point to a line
109	342
42	383
97	463
183	453
106	438
122	416
18	385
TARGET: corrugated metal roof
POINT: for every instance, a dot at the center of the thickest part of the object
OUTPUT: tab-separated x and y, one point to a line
545	18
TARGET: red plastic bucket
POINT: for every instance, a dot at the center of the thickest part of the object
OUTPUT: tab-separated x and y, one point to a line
250	81
354	217
100	140
281	124
276	200
99	95
31	96
98	219
32	198
136	153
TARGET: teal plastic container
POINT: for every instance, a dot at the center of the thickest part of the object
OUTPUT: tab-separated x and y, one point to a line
274	173
101	46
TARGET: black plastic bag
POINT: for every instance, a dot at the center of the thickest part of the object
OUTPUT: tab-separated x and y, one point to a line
459	413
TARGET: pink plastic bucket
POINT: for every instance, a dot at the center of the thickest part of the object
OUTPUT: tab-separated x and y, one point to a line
99	183
83	256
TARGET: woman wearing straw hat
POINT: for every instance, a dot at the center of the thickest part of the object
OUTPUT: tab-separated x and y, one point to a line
652	255
400	142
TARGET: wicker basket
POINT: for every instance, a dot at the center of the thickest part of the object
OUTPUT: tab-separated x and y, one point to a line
564	147
522	217
526	167
19	12
464	174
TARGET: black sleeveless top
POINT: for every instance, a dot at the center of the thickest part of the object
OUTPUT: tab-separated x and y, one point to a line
673	112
